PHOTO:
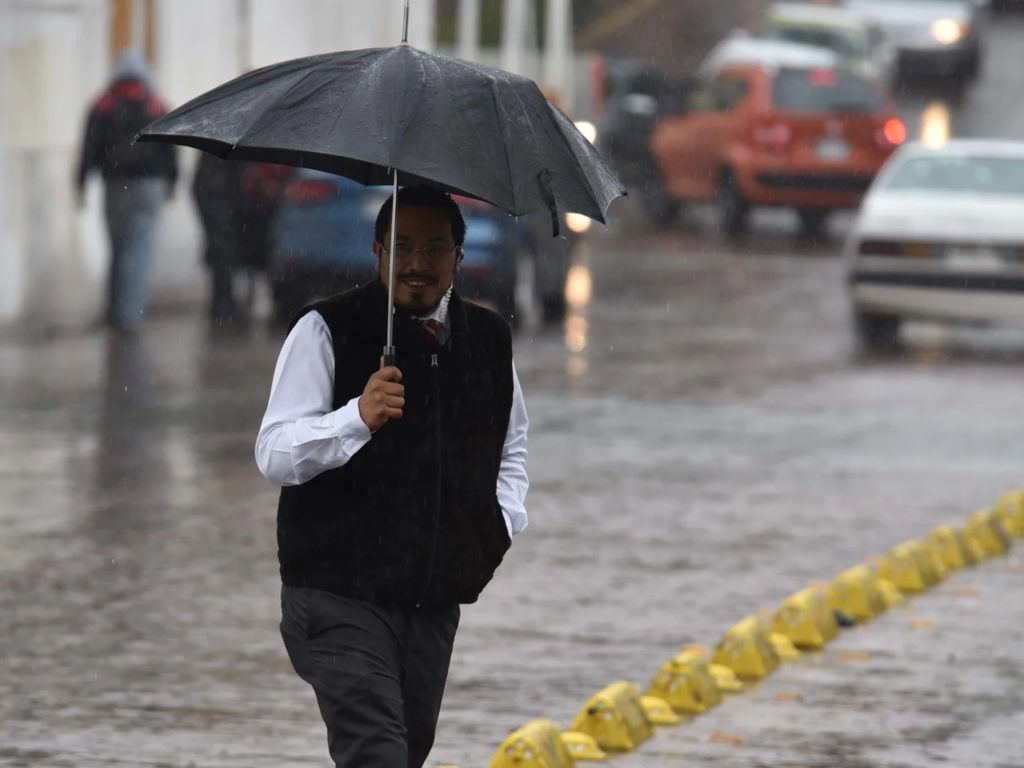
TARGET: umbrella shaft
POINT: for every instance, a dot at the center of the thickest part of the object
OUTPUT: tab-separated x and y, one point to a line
405	23
389	350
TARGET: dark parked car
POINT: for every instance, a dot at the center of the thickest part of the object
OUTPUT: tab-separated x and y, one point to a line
322	240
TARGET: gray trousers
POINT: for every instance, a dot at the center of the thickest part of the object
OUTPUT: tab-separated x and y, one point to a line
378	673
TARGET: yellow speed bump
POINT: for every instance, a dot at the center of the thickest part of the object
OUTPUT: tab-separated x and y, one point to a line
950	546
583	747
615	718
985	527
725	679
658	711
747	650
806	619
1010	509
928	563
783	646
685	683
855	593
902	568
537	744
890	593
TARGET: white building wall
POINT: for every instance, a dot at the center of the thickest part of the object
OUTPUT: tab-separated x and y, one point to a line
50	53
54	60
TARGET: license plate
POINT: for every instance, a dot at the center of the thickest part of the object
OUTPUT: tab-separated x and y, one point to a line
833	149
974	259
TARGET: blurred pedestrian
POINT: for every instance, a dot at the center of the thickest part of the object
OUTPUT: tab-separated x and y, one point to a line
138	179
217	189
262	191
402	485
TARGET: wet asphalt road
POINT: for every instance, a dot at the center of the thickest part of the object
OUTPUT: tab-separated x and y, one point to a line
704	442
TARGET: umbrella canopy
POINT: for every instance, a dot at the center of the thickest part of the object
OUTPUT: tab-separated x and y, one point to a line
467	128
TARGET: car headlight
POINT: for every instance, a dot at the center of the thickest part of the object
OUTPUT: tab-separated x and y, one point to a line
949	31
588	129
577	223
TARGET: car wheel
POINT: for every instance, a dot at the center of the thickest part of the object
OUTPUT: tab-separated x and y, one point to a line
813	222
732	208
877	332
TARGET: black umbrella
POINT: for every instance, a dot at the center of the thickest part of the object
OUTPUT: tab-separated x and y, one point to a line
380	114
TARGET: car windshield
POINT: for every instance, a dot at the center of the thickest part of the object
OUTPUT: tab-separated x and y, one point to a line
824	90
843	41
985	175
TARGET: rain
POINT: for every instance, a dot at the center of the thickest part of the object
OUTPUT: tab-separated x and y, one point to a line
792	347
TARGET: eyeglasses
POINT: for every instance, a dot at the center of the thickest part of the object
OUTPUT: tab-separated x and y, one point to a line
430	253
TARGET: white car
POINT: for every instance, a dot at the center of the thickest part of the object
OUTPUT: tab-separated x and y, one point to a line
931	37
860	43
940	235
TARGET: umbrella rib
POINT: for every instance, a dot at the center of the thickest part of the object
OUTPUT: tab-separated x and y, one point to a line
504	142
588	187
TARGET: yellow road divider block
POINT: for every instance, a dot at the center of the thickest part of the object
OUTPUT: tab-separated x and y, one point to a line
725	679
615	718
902	568
1010	509
986	528
658	711
928	563
583	747
855	592
890	593
685	683
783	646
747	650
950	545
806	619
538	744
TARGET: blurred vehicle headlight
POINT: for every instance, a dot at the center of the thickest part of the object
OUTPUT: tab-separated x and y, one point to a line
588	129
577	223
949	31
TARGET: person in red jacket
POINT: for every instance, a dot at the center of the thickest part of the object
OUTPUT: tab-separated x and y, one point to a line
138	179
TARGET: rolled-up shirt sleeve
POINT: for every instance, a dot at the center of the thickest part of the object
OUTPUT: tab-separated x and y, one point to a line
302	434
513	482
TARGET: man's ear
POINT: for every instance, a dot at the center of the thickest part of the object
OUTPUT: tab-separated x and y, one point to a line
378	251
459	255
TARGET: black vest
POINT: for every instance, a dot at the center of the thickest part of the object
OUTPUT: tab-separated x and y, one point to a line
412	518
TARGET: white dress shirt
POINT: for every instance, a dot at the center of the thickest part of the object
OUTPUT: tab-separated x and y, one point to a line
302	435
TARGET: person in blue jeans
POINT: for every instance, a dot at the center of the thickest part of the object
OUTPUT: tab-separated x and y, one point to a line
138	178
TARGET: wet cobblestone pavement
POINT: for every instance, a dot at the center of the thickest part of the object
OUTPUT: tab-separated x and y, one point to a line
711	447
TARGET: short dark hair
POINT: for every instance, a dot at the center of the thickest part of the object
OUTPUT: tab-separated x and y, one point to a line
422	196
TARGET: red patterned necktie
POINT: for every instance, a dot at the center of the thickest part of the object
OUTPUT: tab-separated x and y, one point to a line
433	330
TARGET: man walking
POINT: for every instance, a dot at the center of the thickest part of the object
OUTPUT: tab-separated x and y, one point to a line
402	485
138	178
